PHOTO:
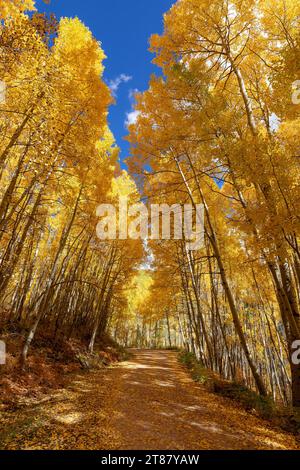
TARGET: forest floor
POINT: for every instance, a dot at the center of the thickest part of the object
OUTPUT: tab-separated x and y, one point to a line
149	402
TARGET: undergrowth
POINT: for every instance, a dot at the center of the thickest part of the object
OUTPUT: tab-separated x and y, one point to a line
249	400
49	365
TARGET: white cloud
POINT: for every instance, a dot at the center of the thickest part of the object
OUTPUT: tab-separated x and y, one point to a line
132	93
131	118
115	83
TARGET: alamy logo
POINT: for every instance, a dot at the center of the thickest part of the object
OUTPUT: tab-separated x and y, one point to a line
296	353
2	92
2	353
162	222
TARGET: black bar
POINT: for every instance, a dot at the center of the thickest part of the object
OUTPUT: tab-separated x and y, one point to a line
136	459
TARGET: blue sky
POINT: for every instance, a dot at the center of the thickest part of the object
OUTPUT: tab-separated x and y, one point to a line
124	28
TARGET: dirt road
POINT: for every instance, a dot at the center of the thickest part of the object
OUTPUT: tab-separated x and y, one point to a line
149	402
